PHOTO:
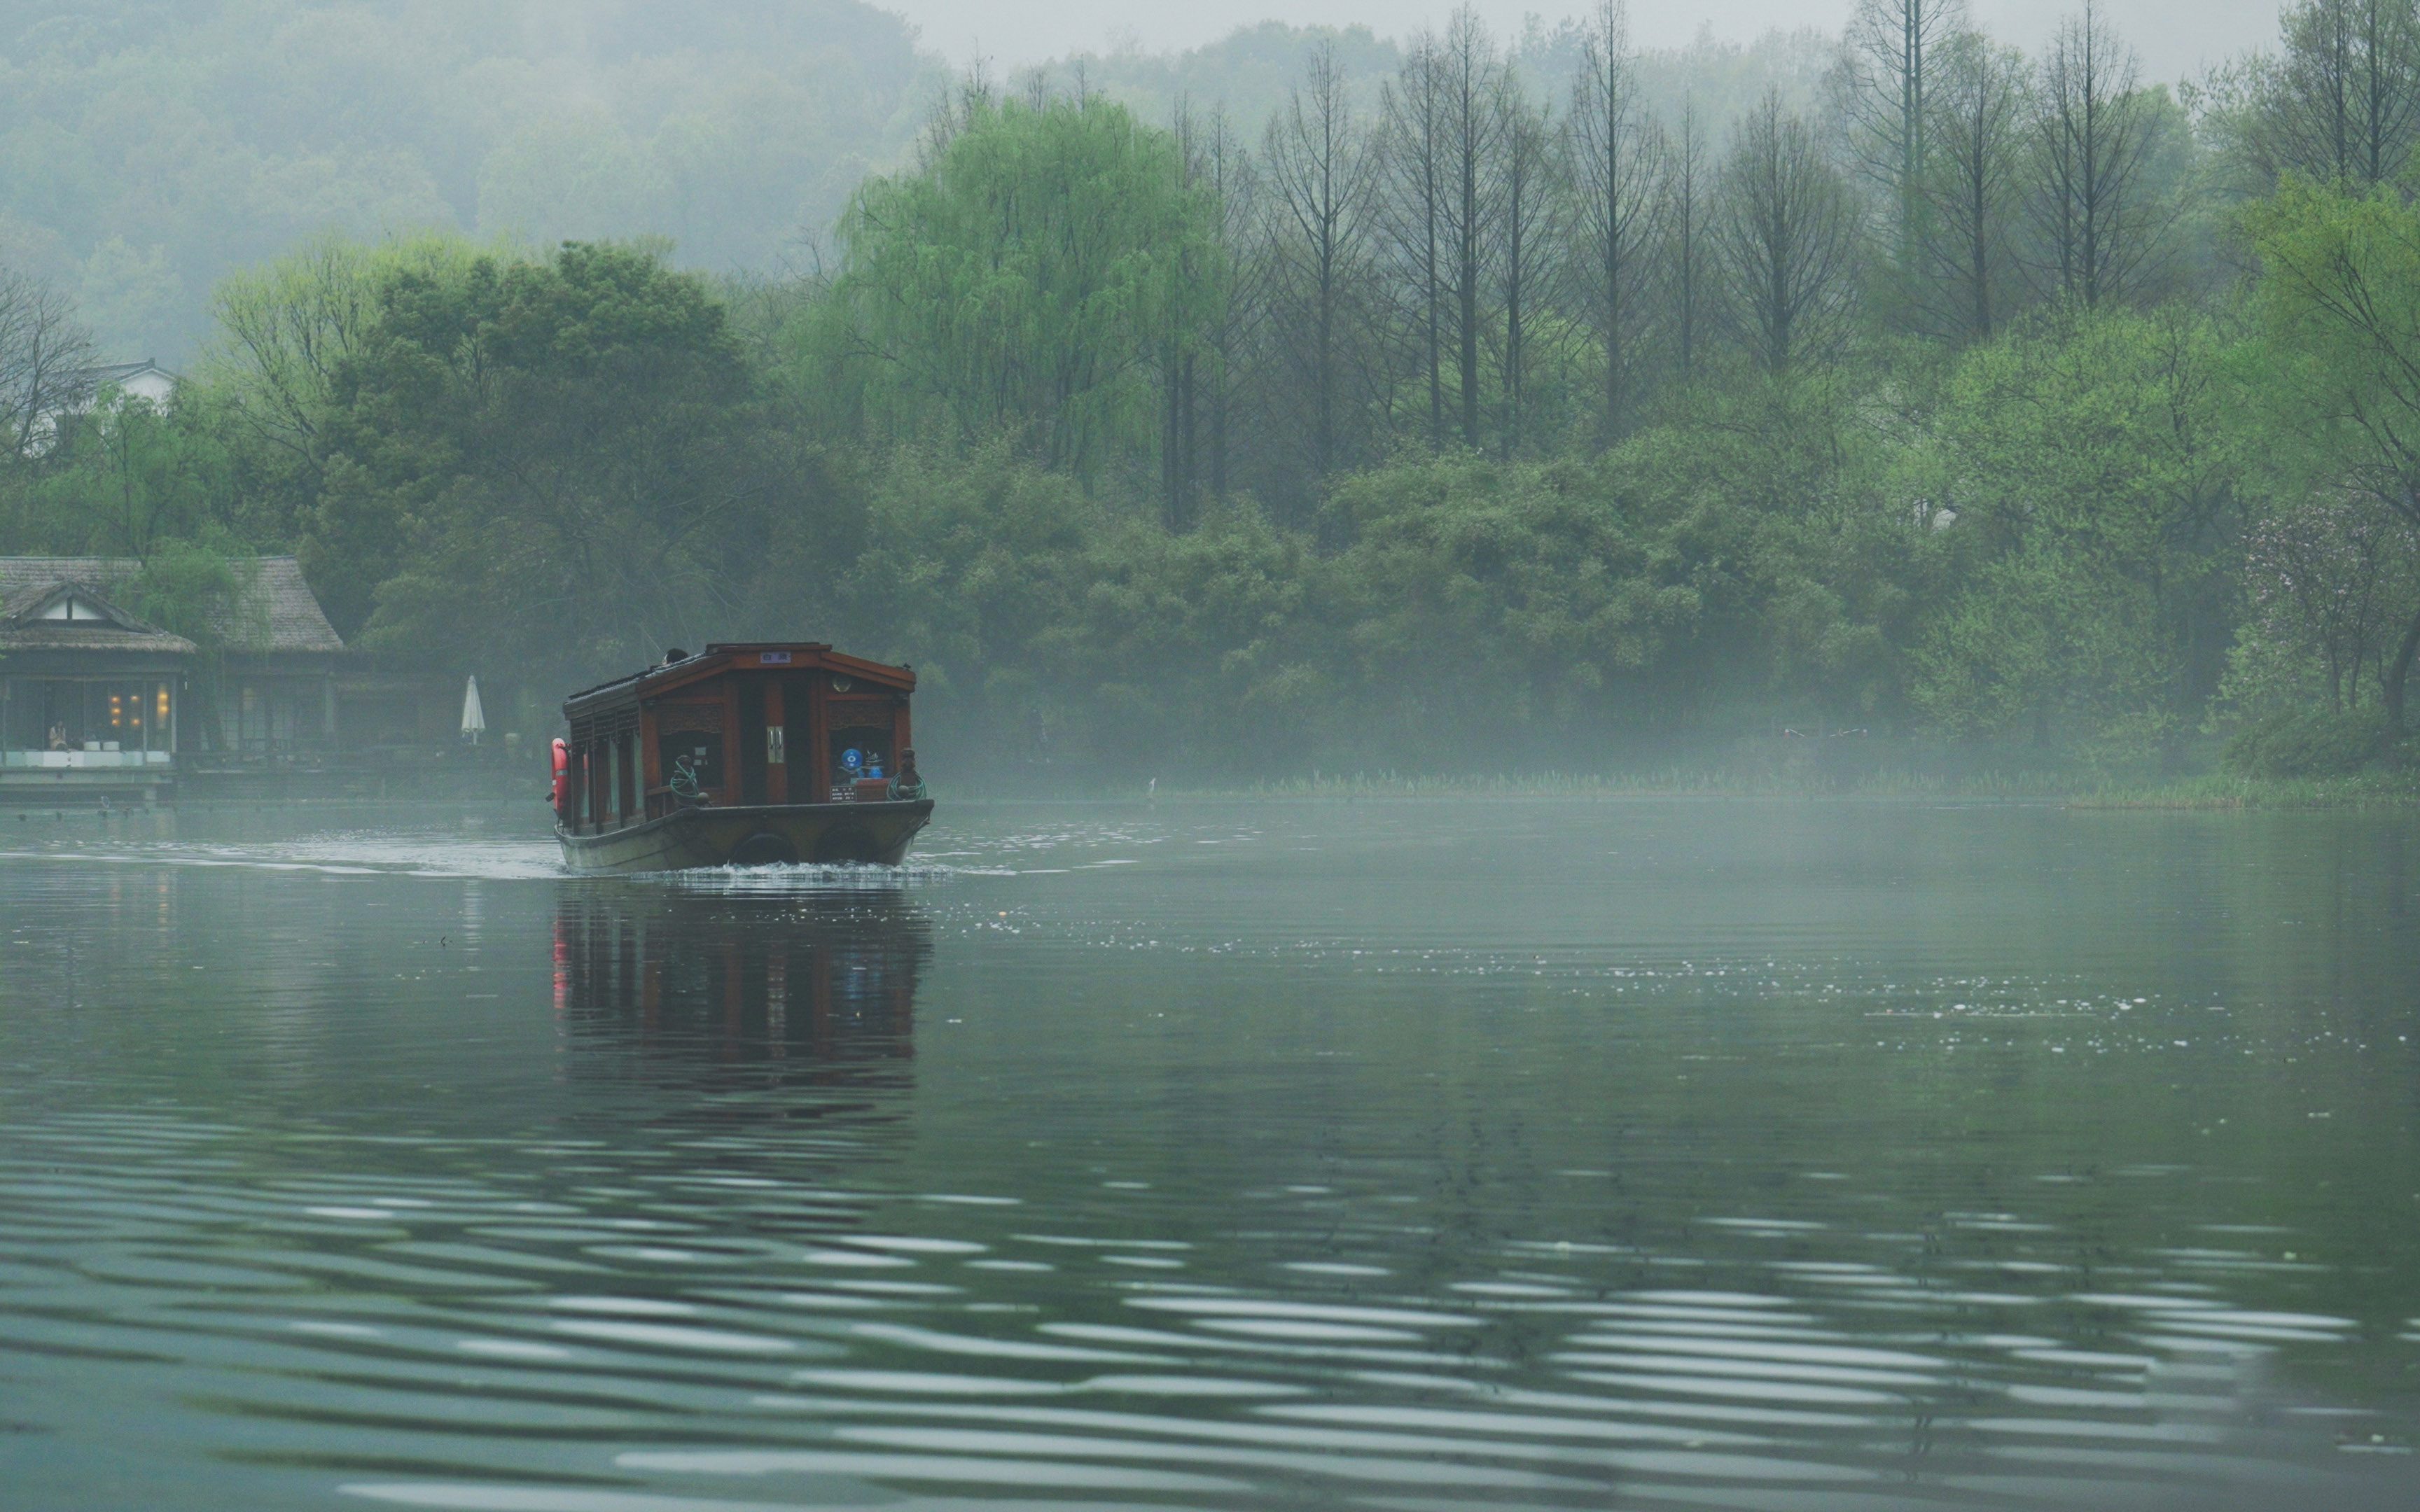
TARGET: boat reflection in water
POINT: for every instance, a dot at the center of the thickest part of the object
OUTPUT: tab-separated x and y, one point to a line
822	984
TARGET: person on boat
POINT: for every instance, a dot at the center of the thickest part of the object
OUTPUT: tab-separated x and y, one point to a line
906	784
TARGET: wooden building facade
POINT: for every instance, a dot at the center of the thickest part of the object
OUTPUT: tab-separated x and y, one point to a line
96	699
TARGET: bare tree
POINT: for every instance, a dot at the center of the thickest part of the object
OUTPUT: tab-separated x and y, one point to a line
1322	180
1227	172
46	361
1975	184
1416	162
1529	217
1180	353
1472	80
1785	230
2342	105
1885	82
1683	210
1614	150
2093	134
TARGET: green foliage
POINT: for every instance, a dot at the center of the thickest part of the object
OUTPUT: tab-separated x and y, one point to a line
2331	582
127	479
1022	284
2308	743
199	589
1022	433
1468	615
1070	634
2096	466
555	454
2339	302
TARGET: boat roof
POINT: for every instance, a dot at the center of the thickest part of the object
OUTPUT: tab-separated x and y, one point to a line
721	656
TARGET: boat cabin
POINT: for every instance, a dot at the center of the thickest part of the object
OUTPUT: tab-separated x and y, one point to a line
734	725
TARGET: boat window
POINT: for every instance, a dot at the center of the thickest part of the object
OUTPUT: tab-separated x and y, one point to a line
870	747
697	751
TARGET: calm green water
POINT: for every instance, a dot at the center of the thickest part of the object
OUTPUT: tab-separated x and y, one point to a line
1543	1154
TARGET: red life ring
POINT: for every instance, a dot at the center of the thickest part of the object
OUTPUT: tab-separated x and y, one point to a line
562	775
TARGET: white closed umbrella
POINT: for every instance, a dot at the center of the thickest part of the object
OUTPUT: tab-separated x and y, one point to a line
474	719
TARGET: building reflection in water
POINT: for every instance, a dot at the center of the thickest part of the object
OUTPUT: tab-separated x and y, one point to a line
815	984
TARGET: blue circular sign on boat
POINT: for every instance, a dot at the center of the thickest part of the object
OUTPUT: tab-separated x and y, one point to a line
851	759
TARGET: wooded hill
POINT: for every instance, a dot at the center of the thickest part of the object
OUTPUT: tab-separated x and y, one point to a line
149	147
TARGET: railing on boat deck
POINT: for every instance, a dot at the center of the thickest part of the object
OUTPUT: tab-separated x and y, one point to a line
78	759
659	801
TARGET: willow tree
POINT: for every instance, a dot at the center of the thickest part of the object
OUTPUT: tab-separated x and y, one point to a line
2340	293
1029	278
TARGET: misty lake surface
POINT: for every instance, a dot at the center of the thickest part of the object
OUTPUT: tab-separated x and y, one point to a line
1411	1155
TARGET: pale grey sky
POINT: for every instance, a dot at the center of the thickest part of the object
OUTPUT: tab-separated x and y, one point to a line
2175	37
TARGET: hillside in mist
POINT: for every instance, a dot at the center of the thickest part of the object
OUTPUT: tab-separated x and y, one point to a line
149	146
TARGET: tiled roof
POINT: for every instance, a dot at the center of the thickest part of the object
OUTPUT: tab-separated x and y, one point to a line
41	635
21	631
278	612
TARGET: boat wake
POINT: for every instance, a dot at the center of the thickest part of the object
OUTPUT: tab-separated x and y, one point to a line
495	862
456	858
784	881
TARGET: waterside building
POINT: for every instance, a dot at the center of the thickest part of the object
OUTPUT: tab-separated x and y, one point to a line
95	698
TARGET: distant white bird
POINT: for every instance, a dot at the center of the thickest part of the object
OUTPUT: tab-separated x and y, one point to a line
474	719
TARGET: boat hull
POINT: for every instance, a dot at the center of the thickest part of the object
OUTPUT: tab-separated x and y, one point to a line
751	835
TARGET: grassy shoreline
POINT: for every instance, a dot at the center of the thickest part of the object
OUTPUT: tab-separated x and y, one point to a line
2213	791
2379	790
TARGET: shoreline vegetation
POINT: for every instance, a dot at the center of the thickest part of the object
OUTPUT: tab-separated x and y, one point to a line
1495	403
2208	791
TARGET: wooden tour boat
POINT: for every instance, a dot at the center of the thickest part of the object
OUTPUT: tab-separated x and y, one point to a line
754	754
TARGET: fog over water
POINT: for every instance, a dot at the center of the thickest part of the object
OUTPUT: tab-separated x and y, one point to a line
1345	500
1403	1155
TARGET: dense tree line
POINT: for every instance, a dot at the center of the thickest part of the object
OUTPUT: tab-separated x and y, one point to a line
1465	417
1464	254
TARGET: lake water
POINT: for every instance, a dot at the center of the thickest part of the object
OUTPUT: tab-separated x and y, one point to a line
1395	1155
